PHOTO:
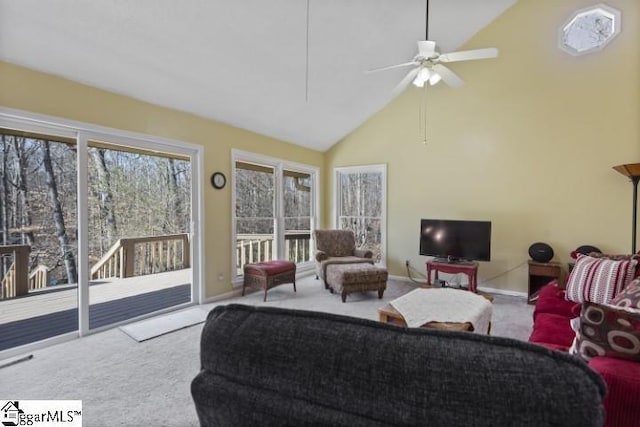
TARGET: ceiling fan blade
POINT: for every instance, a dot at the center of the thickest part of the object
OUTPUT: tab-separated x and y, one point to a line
391	67
467	55
405	82
448	76
426	48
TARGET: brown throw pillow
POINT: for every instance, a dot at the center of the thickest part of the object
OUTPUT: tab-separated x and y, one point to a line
606	330
630	296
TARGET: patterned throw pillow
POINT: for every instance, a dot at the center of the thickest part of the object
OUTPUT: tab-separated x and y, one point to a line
619	257
599	279
616	257
630	296
606	330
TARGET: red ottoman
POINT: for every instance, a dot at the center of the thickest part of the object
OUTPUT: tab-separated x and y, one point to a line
269	274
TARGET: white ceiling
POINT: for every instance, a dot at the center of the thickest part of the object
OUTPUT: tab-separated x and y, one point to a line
241	62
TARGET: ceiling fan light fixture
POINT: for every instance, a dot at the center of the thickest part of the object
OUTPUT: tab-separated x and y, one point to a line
423	75
434	79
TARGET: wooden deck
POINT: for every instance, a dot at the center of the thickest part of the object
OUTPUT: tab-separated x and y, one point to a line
51	312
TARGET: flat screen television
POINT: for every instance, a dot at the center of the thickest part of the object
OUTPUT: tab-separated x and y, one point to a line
456	240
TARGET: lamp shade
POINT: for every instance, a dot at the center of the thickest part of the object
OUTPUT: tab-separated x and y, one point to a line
630	170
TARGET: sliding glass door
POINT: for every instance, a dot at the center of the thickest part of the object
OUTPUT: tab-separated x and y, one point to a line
38	237
139	243
97	227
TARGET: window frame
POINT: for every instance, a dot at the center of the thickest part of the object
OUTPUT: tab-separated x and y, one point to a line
337	194
279	165
82	133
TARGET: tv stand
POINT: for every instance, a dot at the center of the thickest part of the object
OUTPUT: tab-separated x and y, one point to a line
470	268
452	260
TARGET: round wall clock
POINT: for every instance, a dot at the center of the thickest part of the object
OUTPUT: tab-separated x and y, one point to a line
218	180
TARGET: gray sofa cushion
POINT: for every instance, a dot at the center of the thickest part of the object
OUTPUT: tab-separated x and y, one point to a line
269	366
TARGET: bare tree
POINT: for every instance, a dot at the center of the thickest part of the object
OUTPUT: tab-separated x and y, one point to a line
174	213
24	218
58	217
4	211
4	190
105	197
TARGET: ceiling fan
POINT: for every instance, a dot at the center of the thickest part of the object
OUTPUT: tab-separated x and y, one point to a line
428	63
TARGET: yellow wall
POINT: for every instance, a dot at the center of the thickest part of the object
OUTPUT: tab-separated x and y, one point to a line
528	142
36	92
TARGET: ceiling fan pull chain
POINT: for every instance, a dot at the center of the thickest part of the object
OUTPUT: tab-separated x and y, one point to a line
422	116
423	107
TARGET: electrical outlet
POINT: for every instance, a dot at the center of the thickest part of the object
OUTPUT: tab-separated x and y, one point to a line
406	263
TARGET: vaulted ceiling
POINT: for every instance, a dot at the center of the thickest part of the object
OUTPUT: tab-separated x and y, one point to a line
289	69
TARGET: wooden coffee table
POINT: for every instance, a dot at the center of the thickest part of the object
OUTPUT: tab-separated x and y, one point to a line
388	314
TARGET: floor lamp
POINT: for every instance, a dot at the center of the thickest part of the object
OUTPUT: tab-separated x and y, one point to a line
632	171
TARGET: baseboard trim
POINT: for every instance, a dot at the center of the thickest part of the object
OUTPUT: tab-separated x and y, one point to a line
406	279
506	292
237	291
232	294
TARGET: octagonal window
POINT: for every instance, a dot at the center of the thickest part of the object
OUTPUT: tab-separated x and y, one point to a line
589	29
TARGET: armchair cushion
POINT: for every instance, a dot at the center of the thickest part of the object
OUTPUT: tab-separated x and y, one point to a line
363	253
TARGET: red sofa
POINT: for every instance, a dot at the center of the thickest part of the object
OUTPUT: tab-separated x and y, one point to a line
552	329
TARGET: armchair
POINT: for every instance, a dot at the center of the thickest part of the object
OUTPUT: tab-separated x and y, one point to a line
337	247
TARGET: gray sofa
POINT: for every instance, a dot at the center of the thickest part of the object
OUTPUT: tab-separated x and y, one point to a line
268	366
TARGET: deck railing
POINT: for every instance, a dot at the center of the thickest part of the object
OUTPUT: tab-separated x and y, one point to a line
39	278
144	255
251	248
16	280
126	258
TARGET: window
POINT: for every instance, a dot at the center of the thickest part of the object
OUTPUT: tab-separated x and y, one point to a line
589	30
274	210
361	206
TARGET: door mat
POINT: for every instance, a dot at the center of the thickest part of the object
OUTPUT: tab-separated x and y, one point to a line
161	325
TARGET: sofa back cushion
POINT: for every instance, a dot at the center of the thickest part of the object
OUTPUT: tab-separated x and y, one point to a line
269	366
599	280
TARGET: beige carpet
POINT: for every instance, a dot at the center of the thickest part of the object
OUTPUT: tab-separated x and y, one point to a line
125	383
